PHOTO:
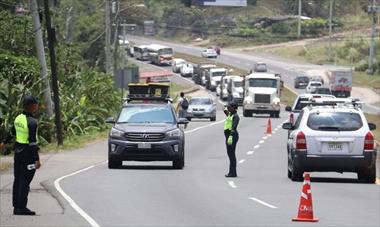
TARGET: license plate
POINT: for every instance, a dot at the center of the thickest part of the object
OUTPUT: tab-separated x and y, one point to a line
335	146
144	146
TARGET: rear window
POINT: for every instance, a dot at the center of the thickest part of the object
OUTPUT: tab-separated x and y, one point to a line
335	121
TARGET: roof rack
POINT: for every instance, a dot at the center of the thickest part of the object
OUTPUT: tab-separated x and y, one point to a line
346	102
143	92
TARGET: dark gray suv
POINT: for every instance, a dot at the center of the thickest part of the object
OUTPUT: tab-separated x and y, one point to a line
146	131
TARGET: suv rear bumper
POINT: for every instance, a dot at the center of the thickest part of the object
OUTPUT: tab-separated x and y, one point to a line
346	163
160	151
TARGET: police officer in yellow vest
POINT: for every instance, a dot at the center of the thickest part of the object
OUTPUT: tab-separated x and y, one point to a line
232	136
26	159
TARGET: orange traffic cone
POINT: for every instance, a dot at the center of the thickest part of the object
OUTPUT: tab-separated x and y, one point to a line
305	209
269	127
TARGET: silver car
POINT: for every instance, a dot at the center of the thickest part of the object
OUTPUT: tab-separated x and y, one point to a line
332	138
201	107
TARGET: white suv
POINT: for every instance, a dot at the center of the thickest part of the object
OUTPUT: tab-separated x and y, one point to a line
332	138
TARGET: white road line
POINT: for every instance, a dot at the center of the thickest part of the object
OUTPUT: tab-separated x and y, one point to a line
250	152
205	126
75	206
269	135
256	147
261	141
232	184
265	137
263	203
242	161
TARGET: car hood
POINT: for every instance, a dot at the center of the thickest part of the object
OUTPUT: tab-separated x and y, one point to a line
262	90
145	128
216	78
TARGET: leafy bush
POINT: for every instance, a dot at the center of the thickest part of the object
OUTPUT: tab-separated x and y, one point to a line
314	26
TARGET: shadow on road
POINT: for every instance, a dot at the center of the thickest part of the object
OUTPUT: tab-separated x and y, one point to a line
336	180
146	167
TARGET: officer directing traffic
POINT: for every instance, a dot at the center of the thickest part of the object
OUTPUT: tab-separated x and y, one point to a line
26	159
232	136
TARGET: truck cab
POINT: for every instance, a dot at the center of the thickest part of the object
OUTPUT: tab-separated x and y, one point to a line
262	93
236	90
213	77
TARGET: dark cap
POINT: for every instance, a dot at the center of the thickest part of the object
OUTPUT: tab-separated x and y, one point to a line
233	105
29	100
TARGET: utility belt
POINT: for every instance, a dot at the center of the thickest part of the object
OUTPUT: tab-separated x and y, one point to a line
19	147
227	132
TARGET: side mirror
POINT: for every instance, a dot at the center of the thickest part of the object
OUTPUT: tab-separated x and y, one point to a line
288	109
372	126
110	120
287	126
183	121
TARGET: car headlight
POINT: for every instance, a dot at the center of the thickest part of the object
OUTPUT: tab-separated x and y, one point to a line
276	101
248	100
174	133
116	133
236	95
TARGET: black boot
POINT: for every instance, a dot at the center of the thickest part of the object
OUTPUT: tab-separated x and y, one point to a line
230	175
23	211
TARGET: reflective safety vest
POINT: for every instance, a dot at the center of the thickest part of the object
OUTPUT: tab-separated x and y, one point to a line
22	130
228	123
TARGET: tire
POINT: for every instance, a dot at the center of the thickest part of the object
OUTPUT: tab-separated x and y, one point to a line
179	163
188	118
213	119
113	164
277	114
296	174
367	175
246	113
272	115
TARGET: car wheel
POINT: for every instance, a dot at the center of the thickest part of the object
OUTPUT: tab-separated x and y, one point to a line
213	119
188	118
246	113
296	174
367	175
277	114
180	162
113	164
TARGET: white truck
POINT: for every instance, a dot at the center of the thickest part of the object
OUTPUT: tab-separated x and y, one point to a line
262	93
340	82
213	77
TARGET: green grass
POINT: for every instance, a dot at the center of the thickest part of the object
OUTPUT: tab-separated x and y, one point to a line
376	120
288	97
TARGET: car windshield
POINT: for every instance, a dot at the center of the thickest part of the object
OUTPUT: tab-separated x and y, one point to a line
218	74
315	84
165	51
146	114
238	83
334	121
303	79
200	101
263	83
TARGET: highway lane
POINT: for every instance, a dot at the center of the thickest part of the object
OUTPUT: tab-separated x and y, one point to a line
245	61
152	194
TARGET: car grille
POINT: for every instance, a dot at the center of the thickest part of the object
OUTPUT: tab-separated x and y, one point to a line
259	98
145	137
195	109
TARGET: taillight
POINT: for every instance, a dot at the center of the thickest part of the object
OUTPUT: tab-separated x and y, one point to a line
301	141
291	118
369	142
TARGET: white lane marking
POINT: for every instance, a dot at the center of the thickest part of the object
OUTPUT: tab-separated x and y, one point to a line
232	184
269	135
274	132
75	206
205	126
261	141
263	203
242	161
265	137
256	147
250	152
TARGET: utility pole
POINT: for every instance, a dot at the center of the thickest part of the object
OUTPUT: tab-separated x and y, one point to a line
41	56
299	17
374	9
51	43
330	28
69	25
108	36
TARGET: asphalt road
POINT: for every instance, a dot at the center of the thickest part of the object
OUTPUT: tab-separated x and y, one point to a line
288	70
153	194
